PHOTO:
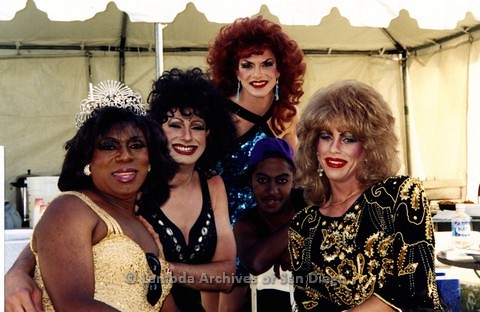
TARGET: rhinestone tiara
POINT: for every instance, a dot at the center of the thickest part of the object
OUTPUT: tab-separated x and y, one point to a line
110	93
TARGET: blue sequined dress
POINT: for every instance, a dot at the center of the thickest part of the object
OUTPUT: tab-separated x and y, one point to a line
233	167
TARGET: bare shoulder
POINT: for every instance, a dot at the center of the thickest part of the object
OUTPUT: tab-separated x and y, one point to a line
66	211
216	184
289	134
65	216
218	194
67	205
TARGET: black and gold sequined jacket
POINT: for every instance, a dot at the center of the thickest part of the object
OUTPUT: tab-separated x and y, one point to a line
383	246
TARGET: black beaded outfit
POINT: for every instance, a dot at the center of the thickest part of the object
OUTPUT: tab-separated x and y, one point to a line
201	248
383	245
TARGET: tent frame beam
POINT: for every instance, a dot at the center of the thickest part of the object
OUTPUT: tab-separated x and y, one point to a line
174	50
399	49
440	41
121	49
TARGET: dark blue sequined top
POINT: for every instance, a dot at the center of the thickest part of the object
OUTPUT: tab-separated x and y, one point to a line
233	167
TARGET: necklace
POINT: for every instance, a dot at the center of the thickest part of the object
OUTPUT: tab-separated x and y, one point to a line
342	201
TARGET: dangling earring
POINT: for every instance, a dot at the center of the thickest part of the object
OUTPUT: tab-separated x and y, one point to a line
276	91
149	168
237	96
319	169
86	170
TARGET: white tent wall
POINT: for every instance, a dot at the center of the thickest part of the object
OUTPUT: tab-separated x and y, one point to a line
447	126
444	120
41	95
40	90
473	138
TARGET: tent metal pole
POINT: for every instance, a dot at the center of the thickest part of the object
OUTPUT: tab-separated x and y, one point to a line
123	39
404	71
158	49
406	112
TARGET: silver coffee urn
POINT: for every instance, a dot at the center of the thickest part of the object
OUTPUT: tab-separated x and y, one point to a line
22	198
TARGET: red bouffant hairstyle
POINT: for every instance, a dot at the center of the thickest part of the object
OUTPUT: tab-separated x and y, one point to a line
248	36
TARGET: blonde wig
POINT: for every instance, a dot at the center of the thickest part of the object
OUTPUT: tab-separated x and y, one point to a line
352	106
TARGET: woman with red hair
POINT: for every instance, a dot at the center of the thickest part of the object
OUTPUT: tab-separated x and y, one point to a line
260	69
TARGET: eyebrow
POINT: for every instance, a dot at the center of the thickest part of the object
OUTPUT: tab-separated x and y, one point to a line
268	59
342	133
260	173
132	138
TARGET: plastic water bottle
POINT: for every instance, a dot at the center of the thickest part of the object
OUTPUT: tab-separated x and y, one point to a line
461	228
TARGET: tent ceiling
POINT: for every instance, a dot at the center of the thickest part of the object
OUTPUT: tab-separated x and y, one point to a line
190	26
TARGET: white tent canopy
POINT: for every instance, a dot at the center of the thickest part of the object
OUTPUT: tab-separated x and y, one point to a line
430	14
423	56
374	25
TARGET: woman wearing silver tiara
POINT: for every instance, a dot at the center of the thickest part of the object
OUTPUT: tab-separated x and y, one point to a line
91	250
193	223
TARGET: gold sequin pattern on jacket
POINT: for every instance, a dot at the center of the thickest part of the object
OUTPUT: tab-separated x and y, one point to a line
383	246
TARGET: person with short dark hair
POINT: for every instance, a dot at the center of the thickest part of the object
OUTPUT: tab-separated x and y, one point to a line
261	232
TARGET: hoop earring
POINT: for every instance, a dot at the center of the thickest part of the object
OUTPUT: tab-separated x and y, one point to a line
277	97
149	168
86	170
319	169
237	96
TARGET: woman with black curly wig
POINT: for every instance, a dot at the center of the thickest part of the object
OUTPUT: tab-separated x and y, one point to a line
260	69
193	224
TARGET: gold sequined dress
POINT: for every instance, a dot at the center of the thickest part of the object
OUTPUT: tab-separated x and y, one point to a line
383	245
120	267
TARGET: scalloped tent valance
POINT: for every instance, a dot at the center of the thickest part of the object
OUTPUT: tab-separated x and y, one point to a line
430	14
369	27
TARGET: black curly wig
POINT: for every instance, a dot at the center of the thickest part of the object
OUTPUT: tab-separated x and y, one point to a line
191	90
